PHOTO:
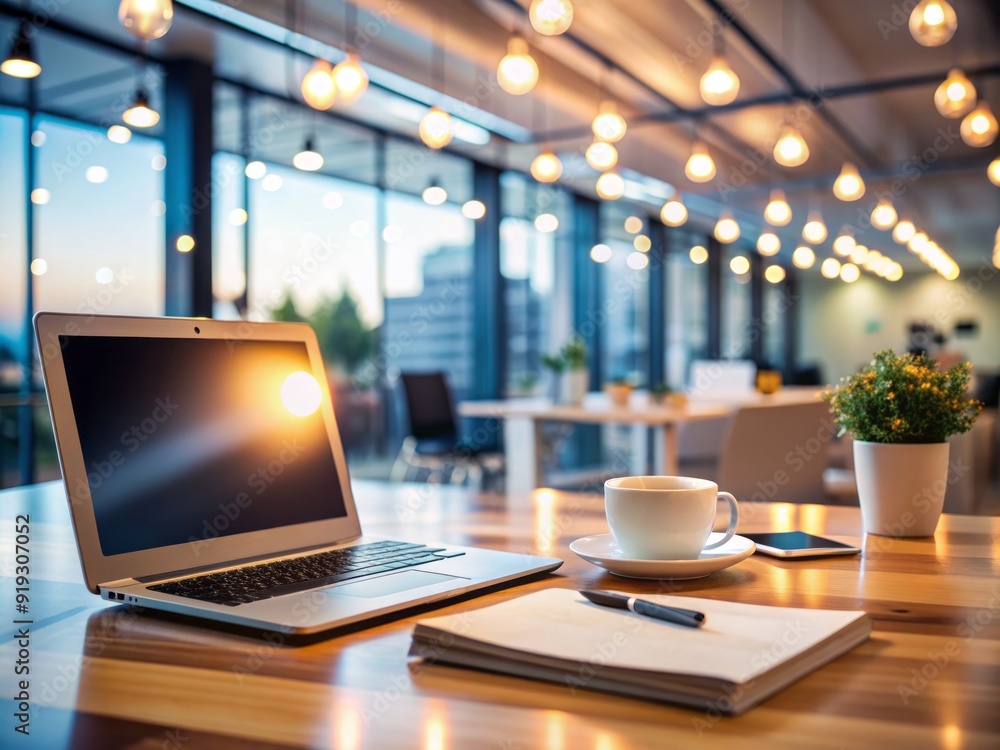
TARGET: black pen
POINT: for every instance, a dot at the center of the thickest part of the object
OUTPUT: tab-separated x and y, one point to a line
676	615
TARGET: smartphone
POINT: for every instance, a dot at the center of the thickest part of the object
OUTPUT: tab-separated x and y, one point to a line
798	544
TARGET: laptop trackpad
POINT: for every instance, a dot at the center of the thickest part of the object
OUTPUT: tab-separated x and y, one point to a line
391	584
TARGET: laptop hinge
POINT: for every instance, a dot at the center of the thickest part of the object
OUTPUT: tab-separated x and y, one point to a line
118	584
232	563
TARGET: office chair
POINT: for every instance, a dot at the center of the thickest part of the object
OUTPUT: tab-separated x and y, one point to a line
433	442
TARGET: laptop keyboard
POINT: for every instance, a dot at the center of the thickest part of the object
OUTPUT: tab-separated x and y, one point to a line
255	582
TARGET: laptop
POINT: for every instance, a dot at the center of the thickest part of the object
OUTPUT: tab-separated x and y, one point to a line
206	477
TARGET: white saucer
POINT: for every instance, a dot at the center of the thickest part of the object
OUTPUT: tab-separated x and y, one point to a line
603	551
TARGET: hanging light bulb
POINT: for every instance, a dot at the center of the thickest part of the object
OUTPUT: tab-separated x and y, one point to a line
318	87
550	17
774	274
700	167
814	230
739	265
884	215
601	155
849	186
768	243
955	96
434	194
608	125
933	22
778	212
719	84
546	167
903	231
147	19
610	186
674	213
803	257
979	128
517	72
849	273
918	243
350	79
844	244
859	254
726	228
698	255
791	149
20	61
140	114
993	171
308	159
436	128
830	268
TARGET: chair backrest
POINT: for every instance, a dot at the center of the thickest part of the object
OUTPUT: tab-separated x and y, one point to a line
428	404
777	453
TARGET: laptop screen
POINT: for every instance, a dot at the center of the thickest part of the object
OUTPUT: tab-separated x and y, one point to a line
191	439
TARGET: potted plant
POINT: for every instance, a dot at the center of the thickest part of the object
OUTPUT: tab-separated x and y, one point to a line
662	394
569	366
618	390
901	410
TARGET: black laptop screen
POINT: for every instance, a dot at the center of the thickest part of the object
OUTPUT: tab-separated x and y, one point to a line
190	439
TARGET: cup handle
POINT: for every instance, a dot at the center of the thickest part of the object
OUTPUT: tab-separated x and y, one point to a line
734	519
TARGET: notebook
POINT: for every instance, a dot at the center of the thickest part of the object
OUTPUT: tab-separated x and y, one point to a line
743	654
206	476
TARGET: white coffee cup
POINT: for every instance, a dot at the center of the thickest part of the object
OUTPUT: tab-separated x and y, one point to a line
665	518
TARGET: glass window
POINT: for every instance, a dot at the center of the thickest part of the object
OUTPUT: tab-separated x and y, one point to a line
625	293
536	225
98	222
230	227
776	307
736	302
686	305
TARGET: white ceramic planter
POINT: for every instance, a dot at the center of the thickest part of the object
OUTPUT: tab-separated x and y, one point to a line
573	386
901	486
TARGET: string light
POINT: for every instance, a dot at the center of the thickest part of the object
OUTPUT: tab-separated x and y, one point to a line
814	230
318	87
473	209
830	268
434	194
350	79
933	22
719	85
993	171
726	229
859	254
601	155
546	223
550	17
739	265
884	215
778	212
791	149
517	72
768	243
600	253
979	128
844	244
436	128
608	125
698	255
700	167
849	273
803	257
903	231
955	96
147	19
610	186
849	186
546	167
674	213
774	274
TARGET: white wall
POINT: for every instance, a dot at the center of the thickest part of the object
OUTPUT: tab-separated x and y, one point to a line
842	325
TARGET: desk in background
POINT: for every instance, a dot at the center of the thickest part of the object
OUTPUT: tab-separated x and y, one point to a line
523	419
103	676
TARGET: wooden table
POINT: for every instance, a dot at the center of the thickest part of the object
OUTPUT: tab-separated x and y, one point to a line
523	419
105	677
